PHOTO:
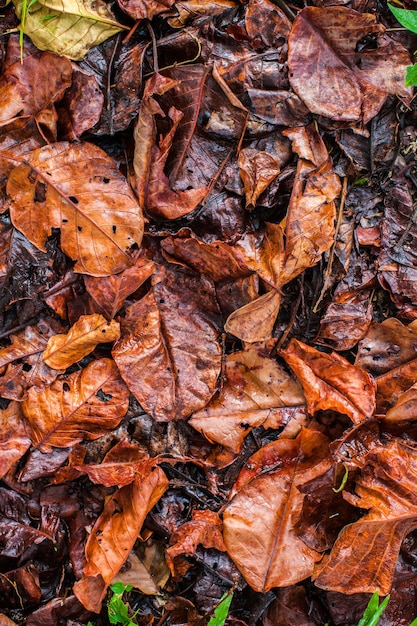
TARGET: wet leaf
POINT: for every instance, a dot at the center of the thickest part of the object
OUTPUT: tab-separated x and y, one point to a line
258	522
82	338
256	391
331	382
68	27
169	352
255	321
145	10
330	76
73	187
85	405
114	534
14	436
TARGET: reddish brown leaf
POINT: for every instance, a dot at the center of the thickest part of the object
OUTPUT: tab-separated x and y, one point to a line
364	555
255	392
114	535
85	405
145	9
259	521
78	189
387	346
205	528
82	105
146	568
346	321
331	382
330	76
82	338
393	384
14	436
255	321
264	253
169	352
22	360
404	410
110	292
257	169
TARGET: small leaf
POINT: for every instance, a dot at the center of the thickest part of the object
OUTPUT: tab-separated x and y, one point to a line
405	17
411	75
373	611
220	614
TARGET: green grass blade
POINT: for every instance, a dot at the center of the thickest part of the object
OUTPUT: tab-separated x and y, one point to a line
373	611
221	611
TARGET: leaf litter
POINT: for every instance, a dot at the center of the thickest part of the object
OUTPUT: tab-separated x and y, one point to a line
208	359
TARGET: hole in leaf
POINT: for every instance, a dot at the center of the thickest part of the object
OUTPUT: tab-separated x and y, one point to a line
26	367
79	228
66	387
73	199
106	180
40	191
104	397
114	228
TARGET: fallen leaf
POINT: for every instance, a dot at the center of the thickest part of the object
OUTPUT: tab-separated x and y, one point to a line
114	534
149	573
331	76
331	382
386	346
84	405
74	28
255	321
145	9
256	391
259	520
257	169
169	352
77	188
82	338
14	436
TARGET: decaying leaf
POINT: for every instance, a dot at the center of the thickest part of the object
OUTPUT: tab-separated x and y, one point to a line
85	405
114	534
169	352
15	436
256	391
82	338
331	382
259	520
78	189
68	27
255	321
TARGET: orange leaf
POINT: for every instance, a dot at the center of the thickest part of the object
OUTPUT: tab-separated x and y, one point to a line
259	521
331	382
90	330
114	535
78	189
255	321
85	405
14	436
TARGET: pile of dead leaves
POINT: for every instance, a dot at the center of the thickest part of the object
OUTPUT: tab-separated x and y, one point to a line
208	313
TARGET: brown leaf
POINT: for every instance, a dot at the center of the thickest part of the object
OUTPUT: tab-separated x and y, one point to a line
264	252
82	338
310	222
346	321
114	535
109	293
404	410
169	353
393	384
387	346
34	86
145	9
331	382
120	466
189	9
78	189
259	521
364	555
255	321
22	360
148	574
85	405
257	169
81	106
14	436
204	528
255	390
330	76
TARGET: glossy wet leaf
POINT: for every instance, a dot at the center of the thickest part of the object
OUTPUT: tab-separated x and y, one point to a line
258	521
84	405
15	436
78	189
68	27
65	349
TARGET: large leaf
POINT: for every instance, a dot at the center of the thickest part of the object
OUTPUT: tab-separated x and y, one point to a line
259	521
256	391
406	18
331	76
78	189
65	349
169	353
331	382
114	535
68	27
85	405
364	555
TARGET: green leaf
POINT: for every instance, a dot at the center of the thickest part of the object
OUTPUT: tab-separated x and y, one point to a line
405	17
221	611
67	27
373	611
120	588
411	75
414	622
